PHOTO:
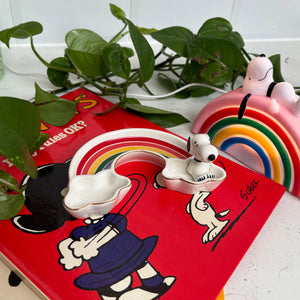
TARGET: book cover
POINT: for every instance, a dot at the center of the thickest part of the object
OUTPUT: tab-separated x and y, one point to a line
164	244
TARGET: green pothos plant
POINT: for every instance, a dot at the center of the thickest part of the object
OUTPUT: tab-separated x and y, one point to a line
214	57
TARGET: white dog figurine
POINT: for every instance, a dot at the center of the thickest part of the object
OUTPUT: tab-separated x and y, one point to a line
203	154
259	81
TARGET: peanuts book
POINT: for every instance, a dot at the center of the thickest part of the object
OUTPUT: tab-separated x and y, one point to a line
155	243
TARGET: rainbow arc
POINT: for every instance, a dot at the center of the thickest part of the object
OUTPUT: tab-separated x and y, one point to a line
276	148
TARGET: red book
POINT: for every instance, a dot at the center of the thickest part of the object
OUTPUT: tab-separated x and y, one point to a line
167	244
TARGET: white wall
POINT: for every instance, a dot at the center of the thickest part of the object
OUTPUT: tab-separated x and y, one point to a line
267	26
256	19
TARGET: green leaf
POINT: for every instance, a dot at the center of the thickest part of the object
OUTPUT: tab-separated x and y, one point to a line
194	72
215	74
216	49
19	130
127	101
219	28
116	60
176	38
85	52
8	181
277	76
117	12
14	147
144	30
196	91
10	205
43	137
10	202
215	27
54	110
22	117
158	116
173	85
59	78
128	52
144	52
21	31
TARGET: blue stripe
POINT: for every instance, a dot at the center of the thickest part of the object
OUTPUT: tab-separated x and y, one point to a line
239	140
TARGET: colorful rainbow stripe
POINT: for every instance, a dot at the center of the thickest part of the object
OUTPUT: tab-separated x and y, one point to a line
100	155
271	137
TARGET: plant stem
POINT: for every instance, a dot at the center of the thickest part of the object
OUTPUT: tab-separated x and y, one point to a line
46	63
147	89
246	54
108	110
119	35
91	82
180	78
10	187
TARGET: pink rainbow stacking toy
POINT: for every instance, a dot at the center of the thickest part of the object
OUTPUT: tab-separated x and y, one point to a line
258	124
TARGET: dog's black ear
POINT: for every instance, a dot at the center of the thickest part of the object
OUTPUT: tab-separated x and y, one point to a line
188	144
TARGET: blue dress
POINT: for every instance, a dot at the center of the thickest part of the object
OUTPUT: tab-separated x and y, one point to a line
118	258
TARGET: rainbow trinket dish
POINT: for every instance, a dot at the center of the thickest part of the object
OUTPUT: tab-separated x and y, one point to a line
95	188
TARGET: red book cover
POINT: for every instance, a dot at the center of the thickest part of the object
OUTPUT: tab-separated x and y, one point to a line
166	244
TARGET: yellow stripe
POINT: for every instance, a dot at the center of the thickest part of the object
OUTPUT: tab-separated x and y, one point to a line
108	154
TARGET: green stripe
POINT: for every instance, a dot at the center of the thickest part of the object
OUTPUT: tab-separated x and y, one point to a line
283	154
107	161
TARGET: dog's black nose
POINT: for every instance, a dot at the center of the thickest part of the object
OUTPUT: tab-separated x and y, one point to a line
211	157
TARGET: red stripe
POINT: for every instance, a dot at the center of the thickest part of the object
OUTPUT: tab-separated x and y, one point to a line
261	117
129	141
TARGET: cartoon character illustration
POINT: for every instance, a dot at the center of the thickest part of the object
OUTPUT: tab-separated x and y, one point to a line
259	81
200	167
204	214
203	154
43	198
113	253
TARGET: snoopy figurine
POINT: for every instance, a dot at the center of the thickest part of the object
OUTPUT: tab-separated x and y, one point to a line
259	81
203	154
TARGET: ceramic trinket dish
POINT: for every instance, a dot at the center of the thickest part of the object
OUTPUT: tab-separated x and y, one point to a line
258	125
196	173
97	193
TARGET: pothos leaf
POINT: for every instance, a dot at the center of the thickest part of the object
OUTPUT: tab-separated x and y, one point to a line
11	197
40	141
59	78
19	130
144	30
117	12
215	49
116	59
21	31
10	204
22	117
158	116
85	52
176	38
220	28
215	74
8	181
14	147
144	52
173	85
277	76
54	110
